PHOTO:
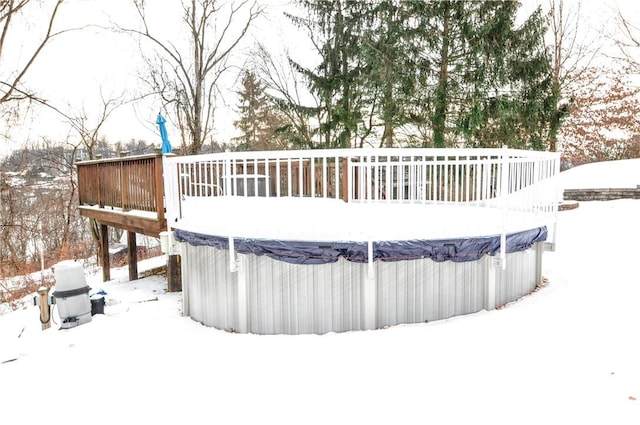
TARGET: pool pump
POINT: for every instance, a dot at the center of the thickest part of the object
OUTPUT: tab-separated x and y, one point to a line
71	294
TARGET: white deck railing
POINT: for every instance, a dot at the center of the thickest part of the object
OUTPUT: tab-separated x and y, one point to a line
507	179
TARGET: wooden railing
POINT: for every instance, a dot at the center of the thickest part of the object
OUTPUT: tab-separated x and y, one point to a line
128	183
123	186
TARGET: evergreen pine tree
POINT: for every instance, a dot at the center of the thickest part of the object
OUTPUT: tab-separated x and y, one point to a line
394	67
336	24
260	123
462	67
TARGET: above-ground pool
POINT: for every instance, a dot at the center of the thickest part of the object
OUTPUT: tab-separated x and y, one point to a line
280	262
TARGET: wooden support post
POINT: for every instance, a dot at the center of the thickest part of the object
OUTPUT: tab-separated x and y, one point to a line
159	187
106	263
132	255
45	313
174	274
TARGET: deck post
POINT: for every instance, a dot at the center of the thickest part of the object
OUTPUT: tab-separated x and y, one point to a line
106	264
159	187
132	255
174	273
503	191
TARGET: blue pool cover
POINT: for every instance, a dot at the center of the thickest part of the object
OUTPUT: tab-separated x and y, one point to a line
308	252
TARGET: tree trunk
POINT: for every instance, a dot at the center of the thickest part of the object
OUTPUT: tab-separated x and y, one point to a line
388	113
440	113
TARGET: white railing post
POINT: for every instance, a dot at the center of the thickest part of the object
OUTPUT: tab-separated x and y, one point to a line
228	190
557	195
278	194
171	190
368	178
503	189
300	177
312	188
349	177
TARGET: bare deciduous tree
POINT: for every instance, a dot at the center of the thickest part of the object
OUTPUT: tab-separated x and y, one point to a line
603	125
12	72
56	214
287	90
38	208
88	130
89	135
572	56
627	40
187	78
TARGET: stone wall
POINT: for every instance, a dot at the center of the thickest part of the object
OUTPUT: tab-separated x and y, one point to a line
602	194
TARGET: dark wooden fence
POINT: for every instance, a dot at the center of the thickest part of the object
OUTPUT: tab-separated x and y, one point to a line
125	183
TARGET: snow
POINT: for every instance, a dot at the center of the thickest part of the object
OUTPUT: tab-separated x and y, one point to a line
603	175
151	215
272	218
567	353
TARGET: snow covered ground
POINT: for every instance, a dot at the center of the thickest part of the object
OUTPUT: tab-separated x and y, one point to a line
606	174
567	354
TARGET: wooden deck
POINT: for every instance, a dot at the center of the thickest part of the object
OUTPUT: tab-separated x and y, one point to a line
126	193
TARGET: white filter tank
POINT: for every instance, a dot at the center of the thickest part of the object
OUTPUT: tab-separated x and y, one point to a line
72	294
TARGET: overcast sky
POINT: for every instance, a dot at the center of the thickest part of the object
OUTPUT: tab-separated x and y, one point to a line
79	66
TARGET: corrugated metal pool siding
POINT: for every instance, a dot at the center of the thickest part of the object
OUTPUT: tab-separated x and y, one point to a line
416	291
518	279
296	299
283	298
212	294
